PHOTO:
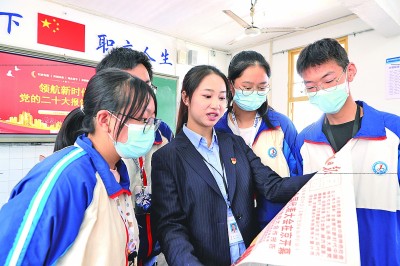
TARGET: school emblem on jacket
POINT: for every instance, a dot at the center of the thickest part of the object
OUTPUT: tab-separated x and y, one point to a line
379	168
272	152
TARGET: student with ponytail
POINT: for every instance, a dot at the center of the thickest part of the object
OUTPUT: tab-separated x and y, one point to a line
75	207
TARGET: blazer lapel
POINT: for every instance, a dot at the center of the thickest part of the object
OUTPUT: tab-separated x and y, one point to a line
189	153
229	159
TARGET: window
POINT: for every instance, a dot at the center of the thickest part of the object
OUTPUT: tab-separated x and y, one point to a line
300	111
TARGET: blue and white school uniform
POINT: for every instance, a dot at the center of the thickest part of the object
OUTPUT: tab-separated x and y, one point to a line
66	211
375	161
275	147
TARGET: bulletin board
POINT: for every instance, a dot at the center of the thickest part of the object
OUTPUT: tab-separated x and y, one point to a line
166	98
37	91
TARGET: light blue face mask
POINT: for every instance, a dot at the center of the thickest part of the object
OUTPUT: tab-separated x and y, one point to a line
248	102
138	143
331	101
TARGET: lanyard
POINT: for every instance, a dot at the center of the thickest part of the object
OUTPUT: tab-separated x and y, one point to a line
356	125
140	164
127	218
222	175
256	120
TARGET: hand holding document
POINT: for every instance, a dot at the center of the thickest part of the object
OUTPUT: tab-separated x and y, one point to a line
317	227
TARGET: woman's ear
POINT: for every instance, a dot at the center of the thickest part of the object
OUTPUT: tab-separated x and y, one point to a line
103	120
185	98
231	88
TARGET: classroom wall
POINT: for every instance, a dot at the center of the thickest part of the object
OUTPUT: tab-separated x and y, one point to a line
367	49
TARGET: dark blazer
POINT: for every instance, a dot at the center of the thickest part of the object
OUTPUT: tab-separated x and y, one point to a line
189	212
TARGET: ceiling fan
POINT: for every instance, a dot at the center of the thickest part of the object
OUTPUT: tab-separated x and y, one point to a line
251	30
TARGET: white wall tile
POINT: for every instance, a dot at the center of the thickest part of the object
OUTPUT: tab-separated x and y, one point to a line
28	163
16	160
4	198
4	151
15	175
16	163
3	186
4	164
16	151
28	151
45	150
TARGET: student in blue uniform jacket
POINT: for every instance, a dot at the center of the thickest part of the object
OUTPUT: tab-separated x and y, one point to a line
270	134
374	138
137	64
75	207
206	180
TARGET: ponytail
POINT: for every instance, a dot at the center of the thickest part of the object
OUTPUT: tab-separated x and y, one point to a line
70	129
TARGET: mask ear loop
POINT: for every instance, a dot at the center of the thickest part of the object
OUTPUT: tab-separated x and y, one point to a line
346	79
109	122
109	130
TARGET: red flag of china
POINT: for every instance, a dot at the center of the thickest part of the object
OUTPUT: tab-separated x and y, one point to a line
61	33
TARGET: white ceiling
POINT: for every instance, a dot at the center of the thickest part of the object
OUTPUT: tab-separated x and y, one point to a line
203	22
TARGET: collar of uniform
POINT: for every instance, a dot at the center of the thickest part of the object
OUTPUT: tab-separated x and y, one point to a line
158	138
197	139
373	123
372	126
112	186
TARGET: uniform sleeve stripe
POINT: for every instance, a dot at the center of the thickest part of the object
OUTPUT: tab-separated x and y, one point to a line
36	207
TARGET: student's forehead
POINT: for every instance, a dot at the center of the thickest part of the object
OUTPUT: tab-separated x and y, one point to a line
140	72
321	70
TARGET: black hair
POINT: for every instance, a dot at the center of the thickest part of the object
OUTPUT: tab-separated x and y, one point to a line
190	83
125	58
110	89
70	130
320	52
239	63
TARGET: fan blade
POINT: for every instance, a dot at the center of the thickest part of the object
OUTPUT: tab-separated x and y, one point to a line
281	29
238	38
242	23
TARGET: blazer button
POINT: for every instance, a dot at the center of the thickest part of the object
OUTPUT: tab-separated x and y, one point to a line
239	217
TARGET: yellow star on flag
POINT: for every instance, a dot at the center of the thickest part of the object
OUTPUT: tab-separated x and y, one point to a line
46	23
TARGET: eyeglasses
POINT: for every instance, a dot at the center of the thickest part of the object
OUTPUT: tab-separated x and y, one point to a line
149	123
262	91
153	87
324	85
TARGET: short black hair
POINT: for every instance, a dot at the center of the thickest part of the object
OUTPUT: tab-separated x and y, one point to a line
320	52
125	58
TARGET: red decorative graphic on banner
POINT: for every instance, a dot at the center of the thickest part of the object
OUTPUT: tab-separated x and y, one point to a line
37	94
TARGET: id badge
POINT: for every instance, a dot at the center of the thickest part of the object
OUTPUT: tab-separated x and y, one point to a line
233	230
142	199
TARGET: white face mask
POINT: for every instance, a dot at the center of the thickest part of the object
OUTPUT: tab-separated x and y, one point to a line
248	102
331	101
138	143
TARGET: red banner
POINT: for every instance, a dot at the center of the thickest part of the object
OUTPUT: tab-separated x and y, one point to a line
61	33
37	94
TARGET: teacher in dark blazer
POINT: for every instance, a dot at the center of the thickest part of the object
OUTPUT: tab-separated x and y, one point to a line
203	181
